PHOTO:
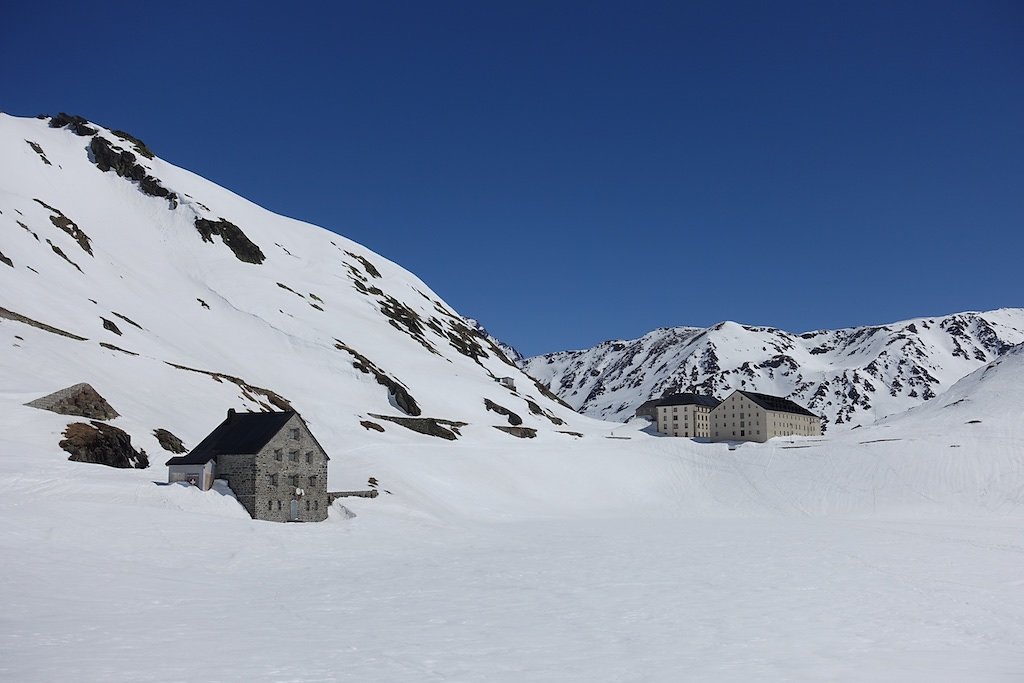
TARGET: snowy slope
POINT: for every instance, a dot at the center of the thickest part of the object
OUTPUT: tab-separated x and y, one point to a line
851	376
133	286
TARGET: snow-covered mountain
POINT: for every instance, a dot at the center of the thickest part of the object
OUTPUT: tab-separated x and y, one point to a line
177	299
511	352
851	376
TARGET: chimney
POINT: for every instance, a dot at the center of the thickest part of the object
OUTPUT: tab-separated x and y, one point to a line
231	414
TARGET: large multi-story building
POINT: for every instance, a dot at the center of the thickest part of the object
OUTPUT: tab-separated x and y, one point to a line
748	416
684	415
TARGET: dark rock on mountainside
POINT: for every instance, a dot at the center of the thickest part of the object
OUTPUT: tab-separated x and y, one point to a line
513	419
109	157
397	391
431	426
102	444
138	144
519	432
64	223
76	124
110	326
234	239
18	317
80	399
168	441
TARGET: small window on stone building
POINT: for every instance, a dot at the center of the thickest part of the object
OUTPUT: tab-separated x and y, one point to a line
309	457
278	505
278	454
293	456
312	480
272	479
293	480
307	505
316	504
270	505
295	433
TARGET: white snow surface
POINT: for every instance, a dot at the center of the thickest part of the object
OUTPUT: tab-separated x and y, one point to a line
890	552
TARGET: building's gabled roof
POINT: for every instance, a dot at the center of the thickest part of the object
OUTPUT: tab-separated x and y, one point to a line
688	400
238	434
777	403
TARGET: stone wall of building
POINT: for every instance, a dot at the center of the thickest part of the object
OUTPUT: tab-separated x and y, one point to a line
291	460
240	473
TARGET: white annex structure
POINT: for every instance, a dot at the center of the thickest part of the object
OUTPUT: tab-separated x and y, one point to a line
686	415
748	416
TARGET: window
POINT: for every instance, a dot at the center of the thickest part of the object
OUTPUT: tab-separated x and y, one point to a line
278	505
312	480
272	480
270	505
743	432
293	480
295	434
278	454
309	457
316	504
293	456
307	505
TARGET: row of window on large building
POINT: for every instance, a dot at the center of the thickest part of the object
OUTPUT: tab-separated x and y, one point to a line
760	417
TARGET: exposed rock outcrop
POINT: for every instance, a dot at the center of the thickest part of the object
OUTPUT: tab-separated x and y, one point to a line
513	419
80	399
443	429
61	221
402	398
18	317
76	124
520	432
109	157
168	441
102	444
234	239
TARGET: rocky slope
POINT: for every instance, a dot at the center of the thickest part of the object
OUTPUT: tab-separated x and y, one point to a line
851	376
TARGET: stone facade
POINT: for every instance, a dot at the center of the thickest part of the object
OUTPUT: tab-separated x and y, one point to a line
290	477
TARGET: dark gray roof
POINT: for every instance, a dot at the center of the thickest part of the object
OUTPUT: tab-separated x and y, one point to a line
688	400
777	403
238	434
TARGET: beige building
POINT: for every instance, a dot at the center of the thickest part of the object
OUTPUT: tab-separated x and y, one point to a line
686	415
748	416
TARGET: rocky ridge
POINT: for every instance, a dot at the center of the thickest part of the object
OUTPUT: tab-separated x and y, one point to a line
850	376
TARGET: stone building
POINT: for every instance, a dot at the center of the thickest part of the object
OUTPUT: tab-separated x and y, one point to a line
271	461
748	416
684	414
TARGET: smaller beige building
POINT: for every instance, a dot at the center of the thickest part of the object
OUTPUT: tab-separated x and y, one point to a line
749	416
687	415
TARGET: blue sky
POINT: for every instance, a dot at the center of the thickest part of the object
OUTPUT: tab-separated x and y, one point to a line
570	172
